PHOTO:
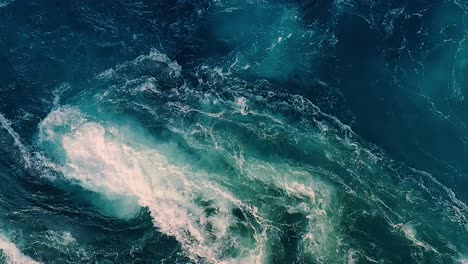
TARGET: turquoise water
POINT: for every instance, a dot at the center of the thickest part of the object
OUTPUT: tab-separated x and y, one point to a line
232	132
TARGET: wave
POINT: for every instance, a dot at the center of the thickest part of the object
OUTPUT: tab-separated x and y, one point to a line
186	203
230	168
12	254
225	166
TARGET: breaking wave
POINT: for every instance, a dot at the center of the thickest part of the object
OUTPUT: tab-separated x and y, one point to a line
240	172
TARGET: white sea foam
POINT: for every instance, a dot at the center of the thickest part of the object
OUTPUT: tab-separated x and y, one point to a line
156	55
65	117
60	238
106	163
242	103
65	243
6	124
410	233
316	202
12	254
58	93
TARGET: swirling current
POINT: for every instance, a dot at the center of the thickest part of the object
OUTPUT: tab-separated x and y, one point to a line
233	131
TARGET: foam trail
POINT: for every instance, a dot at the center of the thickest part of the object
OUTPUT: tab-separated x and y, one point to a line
12	254
6	124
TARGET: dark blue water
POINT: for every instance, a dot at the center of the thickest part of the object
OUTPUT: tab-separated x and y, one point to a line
233	131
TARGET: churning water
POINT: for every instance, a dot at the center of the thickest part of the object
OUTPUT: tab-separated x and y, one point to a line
233	131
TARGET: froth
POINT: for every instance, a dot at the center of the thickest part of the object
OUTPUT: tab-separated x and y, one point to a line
6	124
12	254
107	163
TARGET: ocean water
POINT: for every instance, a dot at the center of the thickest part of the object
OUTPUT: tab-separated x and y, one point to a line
233	131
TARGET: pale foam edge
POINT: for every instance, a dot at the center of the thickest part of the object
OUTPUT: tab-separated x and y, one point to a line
12	254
